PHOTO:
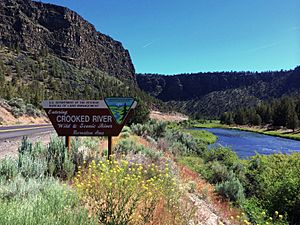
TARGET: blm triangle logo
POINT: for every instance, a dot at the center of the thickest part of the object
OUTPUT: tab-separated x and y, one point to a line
119	107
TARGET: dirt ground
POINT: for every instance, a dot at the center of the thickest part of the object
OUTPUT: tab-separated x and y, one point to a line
173	117
6	118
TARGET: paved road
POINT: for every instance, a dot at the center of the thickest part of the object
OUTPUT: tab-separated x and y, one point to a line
23	130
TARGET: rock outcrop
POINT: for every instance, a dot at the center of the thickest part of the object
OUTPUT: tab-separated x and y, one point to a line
35	26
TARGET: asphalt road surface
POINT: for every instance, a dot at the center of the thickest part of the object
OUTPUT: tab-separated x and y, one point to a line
23	130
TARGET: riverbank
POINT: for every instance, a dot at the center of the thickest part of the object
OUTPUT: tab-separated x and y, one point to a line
284	133
249	183
203	135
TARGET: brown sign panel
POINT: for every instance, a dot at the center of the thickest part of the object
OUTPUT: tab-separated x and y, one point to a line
89	117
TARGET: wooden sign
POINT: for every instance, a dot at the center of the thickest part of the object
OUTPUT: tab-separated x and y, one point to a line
89	117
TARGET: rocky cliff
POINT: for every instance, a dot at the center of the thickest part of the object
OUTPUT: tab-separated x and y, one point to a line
210	94
34	27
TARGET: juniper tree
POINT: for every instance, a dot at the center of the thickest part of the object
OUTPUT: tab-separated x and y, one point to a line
292	120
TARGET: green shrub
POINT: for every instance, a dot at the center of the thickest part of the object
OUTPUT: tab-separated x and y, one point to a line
231	188
36	150
138	129
203	136
257	215
31	110
152	154
126	129
91	143
125	135
153	128
275	181
78	155
40	202
141	112
39	150
178	148
21	187
172	139
36	161
216	172
224	155
192	186
18	107
8	168
239	169
188	143
194	163
26	146
32	167
69	168
60	163
158	129
125	146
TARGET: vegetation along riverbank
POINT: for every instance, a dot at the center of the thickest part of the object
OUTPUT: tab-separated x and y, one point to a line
160	174
263	129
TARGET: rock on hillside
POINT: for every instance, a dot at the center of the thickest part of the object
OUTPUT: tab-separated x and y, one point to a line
35	26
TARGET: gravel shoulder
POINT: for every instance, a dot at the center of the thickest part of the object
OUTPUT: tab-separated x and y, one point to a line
9	147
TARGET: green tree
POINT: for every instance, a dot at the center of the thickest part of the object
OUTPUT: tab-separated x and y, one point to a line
281	111
141	113
292	120
2	83
297	107
240	117
9	91
223	118
18	70
256	120
227	118
265	112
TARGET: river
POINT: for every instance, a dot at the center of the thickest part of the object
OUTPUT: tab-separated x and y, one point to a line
246	144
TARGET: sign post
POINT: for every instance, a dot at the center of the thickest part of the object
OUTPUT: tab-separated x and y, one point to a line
89	117
68	143
109	149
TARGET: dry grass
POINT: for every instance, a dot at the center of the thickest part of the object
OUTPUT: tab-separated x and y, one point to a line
174	117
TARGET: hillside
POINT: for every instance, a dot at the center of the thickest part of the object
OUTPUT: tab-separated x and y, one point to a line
38	27
50	52
210	94
35	77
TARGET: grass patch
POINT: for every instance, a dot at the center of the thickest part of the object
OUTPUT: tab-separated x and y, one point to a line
203	135
209	124
276	133
45	202
194	163
294	136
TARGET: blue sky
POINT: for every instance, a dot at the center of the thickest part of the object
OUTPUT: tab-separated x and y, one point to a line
178	36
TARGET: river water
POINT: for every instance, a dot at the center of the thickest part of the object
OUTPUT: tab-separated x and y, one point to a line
246	144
